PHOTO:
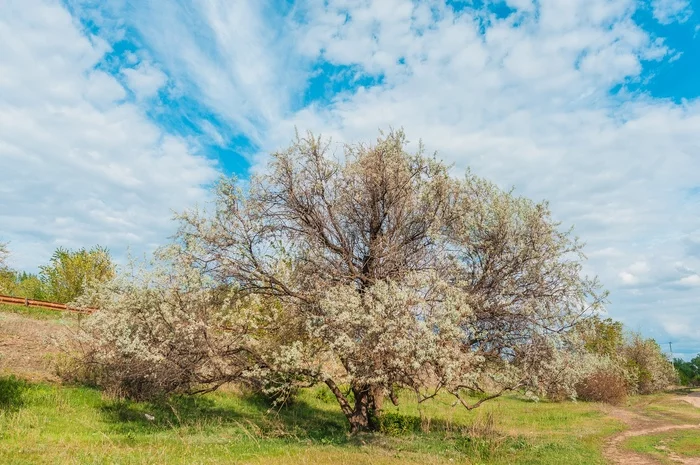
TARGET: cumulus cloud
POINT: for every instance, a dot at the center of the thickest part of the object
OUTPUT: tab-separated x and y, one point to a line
79	164
669	11
145	79
549	99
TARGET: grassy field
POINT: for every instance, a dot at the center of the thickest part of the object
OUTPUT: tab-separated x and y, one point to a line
668	446
43	422
46	423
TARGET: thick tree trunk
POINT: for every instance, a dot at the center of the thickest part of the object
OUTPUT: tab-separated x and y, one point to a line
359	418
359	415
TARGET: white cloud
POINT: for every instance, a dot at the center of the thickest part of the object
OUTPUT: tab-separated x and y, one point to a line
213	133
669	11
692	280
682	329
628	278
525	101
606	252
231	56
145	80
522	5
79	165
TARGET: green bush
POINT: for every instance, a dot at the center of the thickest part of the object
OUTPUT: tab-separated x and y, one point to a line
11	393
69	271
21	284
325	395
395	424
688	372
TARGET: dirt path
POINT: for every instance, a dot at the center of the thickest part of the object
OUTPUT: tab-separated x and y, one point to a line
693	398
640	425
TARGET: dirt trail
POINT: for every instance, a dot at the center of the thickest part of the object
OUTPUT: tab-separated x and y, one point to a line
640	425
693	398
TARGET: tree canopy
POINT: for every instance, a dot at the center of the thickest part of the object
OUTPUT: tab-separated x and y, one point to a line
69	271
689	372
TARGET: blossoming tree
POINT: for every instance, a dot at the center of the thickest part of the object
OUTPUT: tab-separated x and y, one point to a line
392	273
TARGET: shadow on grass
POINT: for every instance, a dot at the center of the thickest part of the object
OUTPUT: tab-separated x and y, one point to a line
304	420
252	415
12	393
683	390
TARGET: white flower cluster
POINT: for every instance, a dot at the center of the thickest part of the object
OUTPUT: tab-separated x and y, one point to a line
165	329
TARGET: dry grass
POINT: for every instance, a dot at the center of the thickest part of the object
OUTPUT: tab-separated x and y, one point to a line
30	341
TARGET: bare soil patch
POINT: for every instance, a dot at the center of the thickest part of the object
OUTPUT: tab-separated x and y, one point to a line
693	398
28	346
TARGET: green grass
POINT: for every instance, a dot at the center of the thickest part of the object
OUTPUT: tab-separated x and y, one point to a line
684	443
51	424
664	409
39	313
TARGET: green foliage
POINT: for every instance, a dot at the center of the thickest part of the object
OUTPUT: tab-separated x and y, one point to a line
396	424
62	280
11	393
21	284
68	272
602	337
688	372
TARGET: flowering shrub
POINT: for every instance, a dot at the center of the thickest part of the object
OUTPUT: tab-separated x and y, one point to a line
649	368
606	366
165	330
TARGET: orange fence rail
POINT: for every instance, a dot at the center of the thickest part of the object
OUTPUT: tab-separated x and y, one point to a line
6	299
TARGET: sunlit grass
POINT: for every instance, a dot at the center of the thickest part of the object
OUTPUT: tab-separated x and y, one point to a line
40	313
683	443
51	424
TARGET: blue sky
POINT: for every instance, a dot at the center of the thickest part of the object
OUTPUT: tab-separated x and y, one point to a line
116	113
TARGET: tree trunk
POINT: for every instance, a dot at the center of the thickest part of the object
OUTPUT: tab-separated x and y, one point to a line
360	415
359	418
377	399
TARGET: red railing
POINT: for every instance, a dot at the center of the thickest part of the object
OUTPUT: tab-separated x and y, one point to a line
6	299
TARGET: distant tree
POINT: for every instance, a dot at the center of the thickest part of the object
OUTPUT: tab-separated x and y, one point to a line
65	277
652	371
620	362
29	285
21	284
688	372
